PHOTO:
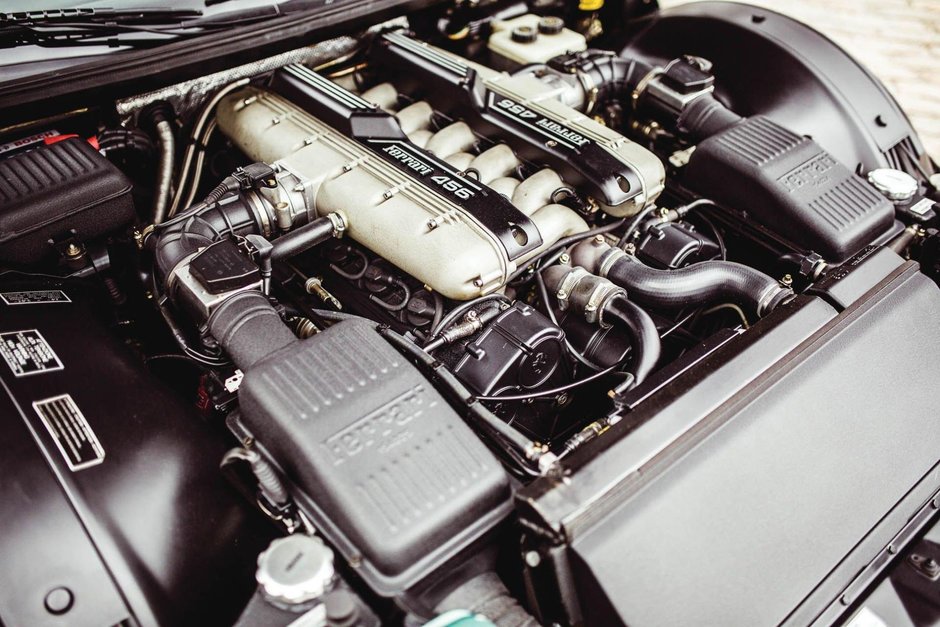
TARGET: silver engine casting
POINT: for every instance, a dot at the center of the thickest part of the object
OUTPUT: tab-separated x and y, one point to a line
399	217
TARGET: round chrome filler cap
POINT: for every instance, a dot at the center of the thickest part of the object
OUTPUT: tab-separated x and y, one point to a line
893	184
296	569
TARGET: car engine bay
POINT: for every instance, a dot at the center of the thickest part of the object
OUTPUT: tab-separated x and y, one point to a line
397	327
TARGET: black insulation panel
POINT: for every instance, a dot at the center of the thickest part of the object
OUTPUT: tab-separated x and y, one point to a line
750	522
110	481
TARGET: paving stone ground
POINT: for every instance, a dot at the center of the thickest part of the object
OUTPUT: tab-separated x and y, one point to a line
898	40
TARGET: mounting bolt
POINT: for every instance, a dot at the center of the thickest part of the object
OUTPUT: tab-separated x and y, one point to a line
564	259
532	558
787	280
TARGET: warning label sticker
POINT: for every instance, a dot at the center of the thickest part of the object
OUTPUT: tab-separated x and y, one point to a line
73	435
28	352
35	297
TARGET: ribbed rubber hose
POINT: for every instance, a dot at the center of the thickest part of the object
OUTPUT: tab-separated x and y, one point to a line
706	116
704	283
644	336
612	76
249	328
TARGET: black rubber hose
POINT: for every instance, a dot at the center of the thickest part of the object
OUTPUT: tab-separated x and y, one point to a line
617	78
706	116
699	284
644	336
248	327
303	238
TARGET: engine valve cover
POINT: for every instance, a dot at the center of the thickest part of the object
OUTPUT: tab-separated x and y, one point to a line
400	213
622	176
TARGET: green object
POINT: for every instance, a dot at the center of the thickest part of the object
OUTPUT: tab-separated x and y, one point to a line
459	618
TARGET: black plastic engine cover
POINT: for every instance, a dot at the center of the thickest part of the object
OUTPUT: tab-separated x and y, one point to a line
394	477
791	73
791	185
53	191
111	491
520	350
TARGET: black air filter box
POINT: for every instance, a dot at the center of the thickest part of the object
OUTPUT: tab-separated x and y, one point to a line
388	472
791	185
51	191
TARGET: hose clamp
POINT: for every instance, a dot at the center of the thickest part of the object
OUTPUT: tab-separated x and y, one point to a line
567	286
591	91
774	296
263	210
608	259
338	222
642	85
587	294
